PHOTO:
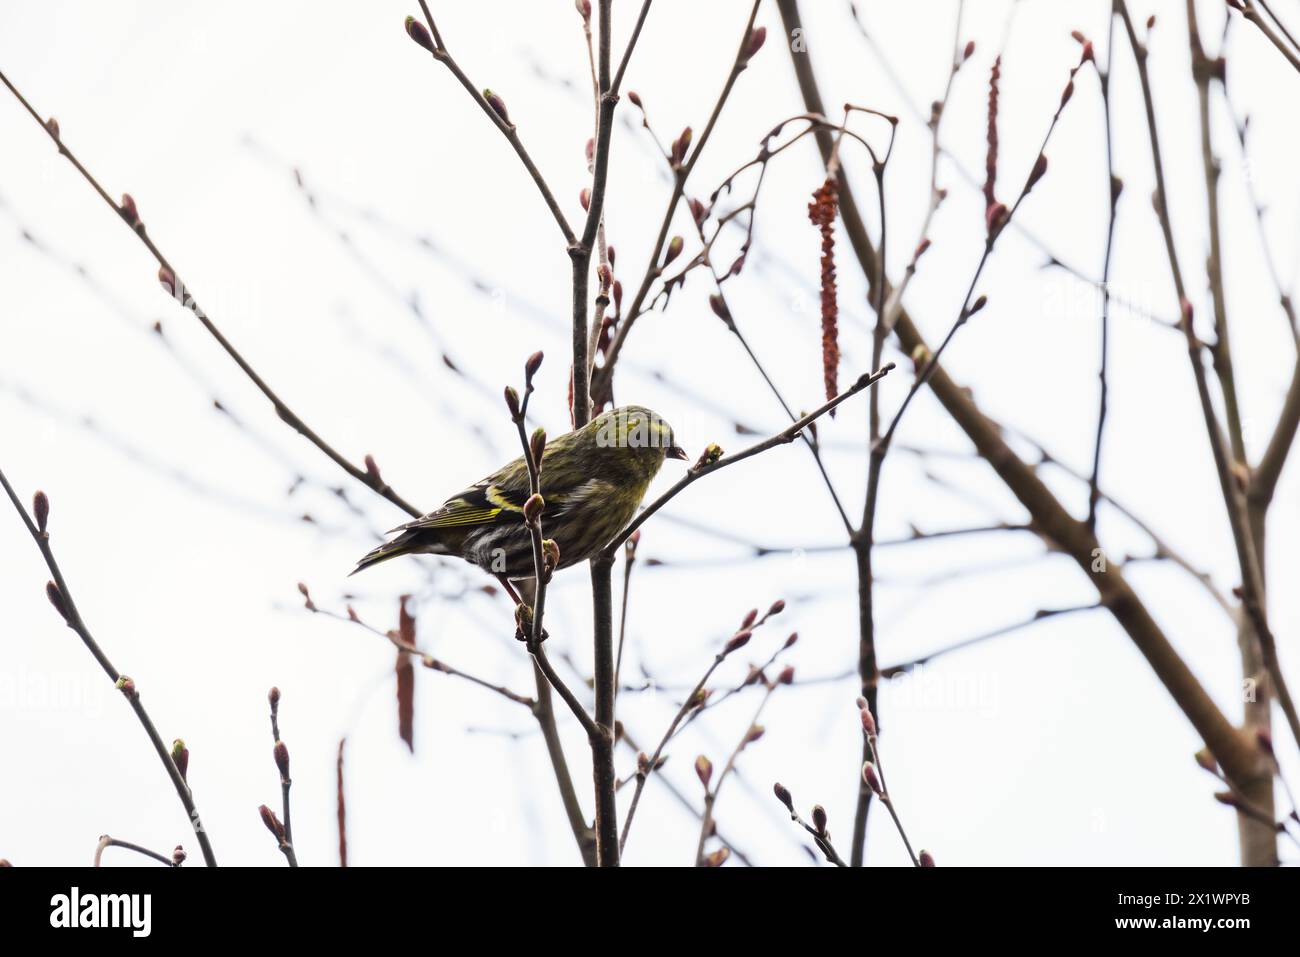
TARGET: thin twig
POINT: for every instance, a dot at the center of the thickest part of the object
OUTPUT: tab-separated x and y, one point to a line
1252	590
1251	13
61	597
875	777
784	437
281	754
1041	615
648	765
1113	188
443	56
602	382
711	794
177	288
106	842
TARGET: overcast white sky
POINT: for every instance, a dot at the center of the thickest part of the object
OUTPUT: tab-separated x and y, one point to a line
1053	746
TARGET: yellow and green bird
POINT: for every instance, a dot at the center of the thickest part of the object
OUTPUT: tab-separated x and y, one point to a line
592	480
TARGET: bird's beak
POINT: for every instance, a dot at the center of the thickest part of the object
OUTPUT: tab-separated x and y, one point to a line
677	452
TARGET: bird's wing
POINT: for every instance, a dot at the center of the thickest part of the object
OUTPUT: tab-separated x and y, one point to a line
481	504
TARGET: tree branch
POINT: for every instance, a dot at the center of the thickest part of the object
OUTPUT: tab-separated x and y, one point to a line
443	56
61	597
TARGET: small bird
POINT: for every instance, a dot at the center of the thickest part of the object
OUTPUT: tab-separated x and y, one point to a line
592	480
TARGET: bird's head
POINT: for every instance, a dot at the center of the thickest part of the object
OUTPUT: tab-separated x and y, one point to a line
641	433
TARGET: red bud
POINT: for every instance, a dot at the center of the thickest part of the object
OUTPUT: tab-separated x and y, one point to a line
674	249
272	822
680	147
41	510
1037	173
281	753
56	599
498	106
737	641
532	365
868	723
417	32
783	795
704	770
181	757
128	211
550	554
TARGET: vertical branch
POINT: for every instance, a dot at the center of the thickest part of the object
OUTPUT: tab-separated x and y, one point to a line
530	618
342	806
1114	187
602	740
602	745
281	755
863	540
580	251
1227	468
1203	71
544	712
629	560
682	167
1258	842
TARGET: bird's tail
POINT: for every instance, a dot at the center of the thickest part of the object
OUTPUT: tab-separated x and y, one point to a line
403	544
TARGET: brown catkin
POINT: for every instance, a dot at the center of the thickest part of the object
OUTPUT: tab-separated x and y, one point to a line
991	160
822	211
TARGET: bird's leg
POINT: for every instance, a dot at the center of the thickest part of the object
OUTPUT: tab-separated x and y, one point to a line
510	589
